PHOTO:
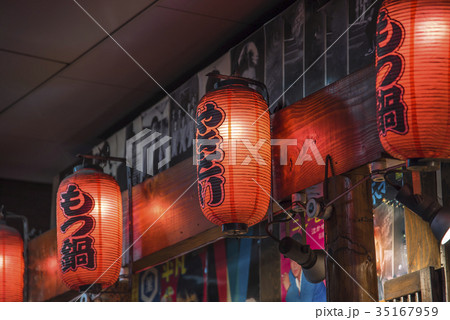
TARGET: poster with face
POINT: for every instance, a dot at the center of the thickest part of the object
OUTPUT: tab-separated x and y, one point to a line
363	15
247	58
221	66
294	28
274	63
294	286
315	39
183	126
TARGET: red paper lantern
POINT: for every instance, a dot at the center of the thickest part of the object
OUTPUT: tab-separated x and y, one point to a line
233	156
89	232
11	264
413	78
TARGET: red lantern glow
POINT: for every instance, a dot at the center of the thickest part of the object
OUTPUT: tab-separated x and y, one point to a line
233	149
413	78
89	232
11	265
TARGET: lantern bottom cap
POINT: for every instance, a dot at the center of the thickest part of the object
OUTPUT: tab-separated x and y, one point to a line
424	165
234	228
91	288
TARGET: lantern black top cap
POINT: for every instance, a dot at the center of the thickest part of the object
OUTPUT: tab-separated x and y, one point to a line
87	166
230	80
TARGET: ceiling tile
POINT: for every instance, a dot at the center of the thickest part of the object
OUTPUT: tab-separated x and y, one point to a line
60	30
166	50
108	64
60	109
245	12
20	74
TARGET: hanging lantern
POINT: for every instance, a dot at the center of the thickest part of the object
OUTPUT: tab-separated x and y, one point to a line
11	264
89	232
413	82
233	155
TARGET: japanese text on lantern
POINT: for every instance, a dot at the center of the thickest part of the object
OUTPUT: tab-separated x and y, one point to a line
77	249
210	154
391	107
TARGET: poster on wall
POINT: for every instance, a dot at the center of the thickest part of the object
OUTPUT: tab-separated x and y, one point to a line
227	270
156	119
183	278
247	58
389	233
336	56
182	119
274	63
149	285
315	38
221	66
363	16
294	28
294	286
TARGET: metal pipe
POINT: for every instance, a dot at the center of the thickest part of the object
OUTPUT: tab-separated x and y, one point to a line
88	156
130	223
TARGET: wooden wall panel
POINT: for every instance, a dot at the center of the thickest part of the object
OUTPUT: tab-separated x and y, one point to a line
159	202
44	280
341	119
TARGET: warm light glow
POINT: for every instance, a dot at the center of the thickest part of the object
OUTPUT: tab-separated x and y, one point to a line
11	265
227	192
89	232
413	81
446	237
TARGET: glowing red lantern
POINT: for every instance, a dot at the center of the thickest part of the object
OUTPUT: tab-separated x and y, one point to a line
11	264
89	232
233	156
413	82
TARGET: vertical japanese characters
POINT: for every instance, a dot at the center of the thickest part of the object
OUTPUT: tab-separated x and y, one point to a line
78	248
391	108
413	82
89	229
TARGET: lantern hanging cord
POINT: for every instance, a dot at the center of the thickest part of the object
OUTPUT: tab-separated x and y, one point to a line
260	85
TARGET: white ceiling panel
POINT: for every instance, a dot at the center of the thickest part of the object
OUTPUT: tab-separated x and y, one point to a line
20	74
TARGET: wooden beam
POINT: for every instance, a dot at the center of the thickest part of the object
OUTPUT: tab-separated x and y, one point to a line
269	267
421	245
178	249
402	286
349	240
340	119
